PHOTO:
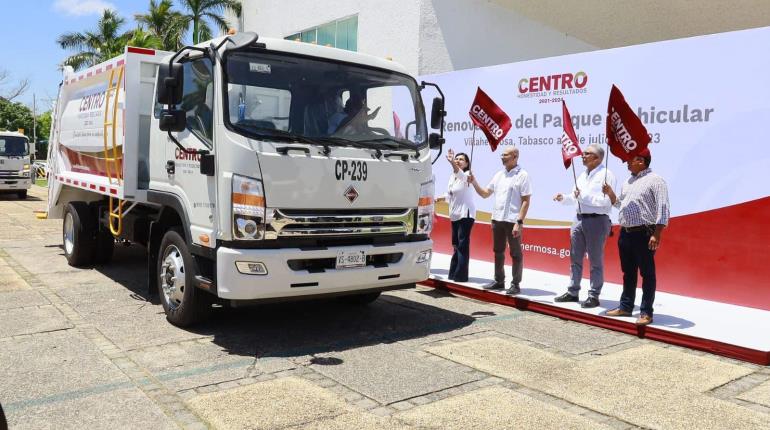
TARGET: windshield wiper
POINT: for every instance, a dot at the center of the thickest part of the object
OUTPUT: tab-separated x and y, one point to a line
282	135
399	143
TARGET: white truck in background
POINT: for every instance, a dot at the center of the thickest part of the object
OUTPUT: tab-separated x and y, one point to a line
251	170
15	163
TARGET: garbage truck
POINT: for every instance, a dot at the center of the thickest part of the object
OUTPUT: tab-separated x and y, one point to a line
15	163
251	169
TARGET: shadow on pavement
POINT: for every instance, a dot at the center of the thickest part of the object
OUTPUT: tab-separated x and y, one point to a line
298	328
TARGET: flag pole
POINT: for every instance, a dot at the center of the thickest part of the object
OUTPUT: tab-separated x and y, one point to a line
473	142
574	176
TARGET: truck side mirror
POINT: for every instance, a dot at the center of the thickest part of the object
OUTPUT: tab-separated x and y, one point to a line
170	83
173	120
437	113
435	141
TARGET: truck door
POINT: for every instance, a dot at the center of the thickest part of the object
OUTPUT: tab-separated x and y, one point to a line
198	191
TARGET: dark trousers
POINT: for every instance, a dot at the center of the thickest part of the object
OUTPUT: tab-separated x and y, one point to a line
635	258
502	233
461	241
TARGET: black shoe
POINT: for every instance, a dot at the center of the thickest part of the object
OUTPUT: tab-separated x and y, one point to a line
566	297
590	302
513	290
494	286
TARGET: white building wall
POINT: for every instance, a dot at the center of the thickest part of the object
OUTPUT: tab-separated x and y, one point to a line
385	28
425	36
462	34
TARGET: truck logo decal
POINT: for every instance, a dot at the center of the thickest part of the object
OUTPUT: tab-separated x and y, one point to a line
351	194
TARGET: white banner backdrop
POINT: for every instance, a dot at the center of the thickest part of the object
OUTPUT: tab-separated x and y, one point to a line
705	100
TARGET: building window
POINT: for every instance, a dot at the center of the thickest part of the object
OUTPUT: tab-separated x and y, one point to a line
342	33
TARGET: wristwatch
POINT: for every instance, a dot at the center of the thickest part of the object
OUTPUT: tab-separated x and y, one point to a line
520	221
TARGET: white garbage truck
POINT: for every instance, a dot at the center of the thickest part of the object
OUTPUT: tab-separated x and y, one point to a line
15	163
251	169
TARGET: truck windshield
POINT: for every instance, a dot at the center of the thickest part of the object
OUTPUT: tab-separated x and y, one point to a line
12	146
281	96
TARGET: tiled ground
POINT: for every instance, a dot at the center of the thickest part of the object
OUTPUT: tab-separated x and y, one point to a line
88	348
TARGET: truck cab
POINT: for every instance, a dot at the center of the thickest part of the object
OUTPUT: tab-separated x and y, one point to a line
15	163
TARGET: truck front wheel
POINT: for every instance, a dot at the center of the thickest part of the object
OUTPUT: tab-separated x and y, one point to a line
23	194
183	303
78	234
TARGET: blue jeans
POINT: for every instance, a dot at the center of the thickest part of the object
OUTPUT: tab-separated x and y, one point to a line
635	258
461	241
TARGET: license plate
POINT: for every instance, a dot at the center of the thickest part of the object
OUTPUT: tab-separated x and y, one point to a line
350	259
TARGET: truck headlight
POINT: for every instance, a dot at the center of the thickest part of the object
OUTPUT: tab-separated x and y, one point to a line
248	208
425	209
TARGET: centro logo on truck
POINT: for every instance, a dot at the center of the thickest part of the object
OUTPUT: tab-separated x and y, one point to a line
553	85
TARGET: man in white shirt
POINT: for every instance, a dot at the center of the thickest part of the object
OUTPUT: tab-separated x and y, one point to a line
591	227
512	191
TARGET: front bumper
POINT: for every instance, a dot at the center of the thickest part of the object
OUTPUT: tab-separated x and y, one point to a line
20	183
281	281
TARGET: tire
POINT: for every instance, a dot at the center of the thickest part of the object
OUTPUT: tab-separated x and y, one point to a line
104	247
184	304
23	194
360	299
78	234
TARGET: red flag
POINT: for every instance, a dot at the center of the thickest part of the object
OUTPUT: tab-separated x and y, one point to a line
569	140
626	134
489	118
397	126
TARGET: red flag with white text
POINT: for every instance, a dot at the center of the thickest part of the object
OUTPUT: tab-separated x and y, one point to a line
489	118
569	140
626	134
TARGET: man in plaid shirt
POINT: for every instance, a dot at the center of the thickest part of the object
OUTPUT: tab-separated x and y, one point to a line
644	212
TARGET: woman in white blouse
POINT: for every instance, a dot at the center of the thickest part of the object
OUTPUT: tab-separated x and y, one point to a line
462	213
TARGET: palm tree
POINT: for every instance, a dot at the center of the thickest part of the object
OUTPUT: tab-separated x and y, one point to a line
201	10
144	39
93	47
166	24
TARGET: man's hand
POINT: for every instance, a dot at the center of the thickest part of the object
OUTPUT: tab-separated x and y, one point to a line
374	113
577	192
559	197
516	232
654	243
607	189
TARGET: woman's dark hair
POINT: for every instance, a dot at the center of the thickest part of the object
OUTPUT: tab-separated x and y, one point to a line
467	160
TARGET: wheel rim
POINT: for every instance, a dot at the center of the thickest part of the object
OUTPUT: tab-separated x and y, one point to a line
69	233
172	276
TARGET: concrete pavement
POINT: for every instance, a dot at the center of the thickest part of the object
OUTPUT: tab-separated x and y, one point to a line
88	348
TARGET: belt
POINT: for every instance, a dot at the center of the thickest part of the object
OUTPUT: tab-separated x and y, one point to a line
638	228
580	216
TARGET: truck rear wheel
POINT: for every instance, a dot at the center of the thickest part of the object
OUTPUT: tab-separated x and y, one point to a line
78	234
183	303
23	194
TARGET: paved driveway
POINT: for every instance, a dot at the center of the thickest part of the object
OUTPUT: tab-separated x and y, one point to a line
88	348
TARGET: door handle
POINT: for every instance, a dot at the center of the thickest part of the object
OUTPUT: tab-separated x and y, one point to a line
170	167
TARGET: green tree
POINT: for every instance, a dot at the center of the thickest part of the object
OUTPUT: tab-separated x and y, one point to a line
199	11
44	125
144	39
14	116
166	24
94	47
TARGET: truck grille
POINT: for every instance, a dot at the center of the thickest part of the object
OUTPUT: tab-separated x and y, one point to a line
286	223
11	174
